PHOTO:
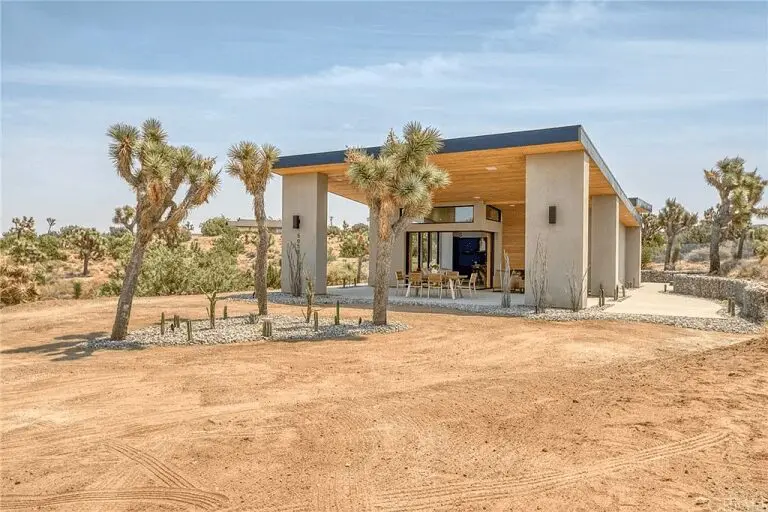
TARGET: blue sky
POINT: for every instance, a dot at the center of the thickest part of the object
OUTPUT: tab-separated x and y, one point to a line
663	89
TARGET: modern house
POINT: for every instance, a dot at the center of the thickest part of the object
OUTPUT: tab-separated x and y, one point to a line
509	193
274	226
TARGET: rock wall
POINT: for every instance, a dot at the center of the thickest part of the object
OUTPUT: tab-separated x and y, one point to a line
751	296
661	276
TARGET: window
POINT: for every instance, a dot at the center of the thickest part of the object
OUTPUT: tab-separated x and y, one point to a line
423	250
492	213
449	214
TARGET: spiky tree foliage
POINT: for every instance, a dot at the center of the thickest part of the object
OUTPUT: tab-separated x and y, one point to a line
155	170
125	216
398	184
652	230
746	205
252	164
354	244
726	177
23	226
674	218
51	221
90	245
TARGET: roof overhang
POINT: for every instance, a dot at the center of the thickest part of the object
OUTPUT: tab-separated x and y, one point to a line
486	167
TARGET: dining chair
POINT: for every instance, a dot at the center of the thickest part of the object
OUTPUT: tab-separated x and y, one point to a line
435	281
453	283
399	281
472	284
414	283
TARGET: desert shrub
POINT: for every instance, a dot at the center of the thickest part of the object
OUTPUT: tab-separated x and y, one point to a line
175	236
52	247
229	242
334	231
330	256
119	244
77	289
215	226
112	287
25	250
273	276
17	284
165	271
646	256
341	273
67	231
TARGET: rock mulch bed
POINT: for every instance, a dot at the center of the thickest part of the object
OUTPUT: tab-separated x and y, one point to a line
723	324
237	329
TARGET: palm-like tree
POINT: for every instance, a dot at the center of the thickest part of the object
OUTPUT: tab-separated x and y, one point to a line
398	184
51	221
674	218
252	164
155	170
726	177
746	205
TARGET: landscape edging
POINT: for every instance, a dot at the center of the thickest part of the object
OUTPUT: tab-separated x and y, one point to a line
750	296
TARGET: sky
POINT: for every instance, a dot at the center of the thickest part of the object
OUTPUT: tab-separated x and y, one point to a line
663	89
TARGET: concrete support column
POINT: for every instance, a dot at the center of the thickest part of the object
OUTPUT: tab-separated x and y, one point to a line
633	255
560	180
604	254
306	195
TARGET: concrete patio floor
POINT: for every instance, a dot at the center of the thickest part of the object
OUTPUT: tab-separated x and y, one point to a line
648	299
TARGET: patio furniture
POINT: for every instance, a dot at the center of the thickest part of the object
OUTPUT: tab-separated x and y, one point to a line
472	284
454	283
435	281
399	281
415	281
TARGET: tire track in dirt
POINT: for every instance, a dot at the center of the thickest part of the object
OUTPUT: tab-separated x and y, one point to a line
188	497
165	474
430	497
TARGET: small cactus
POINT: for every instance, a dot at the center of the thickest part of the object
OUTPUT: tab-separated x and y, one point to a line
225	312
162	323
616	293
266	330
189	330
253	318
337	318
317	322
176	321
359	320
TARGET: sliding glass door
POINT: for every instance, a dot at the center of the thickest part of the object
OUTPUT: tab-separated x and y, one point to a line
423	250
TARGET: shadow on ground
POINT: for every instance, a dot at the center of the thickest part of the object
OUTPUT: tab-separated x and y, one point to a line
69	347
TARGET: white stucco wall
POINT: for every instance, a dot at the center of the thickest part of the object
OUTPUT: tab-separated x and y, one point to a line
633	255
604	254
560	180
622	252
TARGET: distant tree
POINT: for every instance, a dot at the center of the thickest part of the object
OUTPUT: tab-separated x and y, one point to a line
174	236
125	216
51	221
229	242
674	218
90	245
155	170
726	177
23	226
252	164
215	226
399	179
746	205
355	245
652	234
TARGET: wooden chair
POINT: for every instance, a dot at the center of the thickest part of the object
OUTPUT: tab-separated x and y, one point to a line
472	284
435	281
414	283
453	283
399	281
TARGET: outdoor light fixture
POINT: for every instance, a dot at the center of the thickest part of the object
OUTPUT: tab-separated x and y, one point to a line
553	214
296	222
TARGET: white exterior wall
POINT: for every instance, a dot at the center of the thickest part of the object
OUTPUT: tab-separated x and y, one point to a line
622	253
306	195
633	255
560	180
604	254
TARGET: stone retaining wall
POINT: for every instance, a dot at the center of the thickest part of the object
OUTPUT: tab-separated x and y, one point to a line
662	276
751	296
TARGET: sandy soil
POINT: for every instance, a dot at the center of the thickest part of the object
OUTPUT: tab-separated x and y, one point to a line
458	413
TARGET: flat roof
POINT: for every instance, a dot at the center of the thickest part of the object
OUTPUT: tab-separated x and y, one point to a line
519	139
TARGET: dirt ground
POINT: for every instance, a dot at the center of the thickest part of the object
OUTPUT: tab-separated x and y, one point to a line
457	413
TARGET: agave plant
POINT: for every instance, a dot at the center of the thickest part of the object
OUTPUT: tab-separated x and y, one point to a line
398	184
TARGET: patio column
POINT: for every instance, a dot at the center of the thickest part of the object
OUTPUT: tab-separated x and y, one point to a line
559	181
306	195
604	256
633	255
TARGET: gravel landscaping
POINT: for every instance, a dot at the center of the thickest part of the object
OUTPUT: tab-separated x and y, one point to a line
237	329
723	324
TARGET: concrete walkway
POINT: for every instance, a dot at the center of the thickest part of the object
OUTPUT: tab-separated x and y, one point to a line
650	299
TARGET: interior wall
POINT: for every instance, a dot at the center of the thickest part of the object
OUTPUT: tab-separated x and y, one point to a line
446	250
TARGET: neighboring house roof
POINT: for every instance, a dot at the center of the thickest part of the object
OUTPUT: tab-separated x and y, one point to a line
251	223
640	205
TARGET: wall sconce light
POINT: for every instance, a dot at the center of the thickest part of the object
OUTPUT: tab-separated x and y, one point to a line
296	222
553	214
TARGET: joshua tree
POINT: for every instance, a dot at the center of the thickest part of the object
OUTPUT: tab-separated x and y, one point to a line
90	245
23	227
155	170
252	164
674	218
726	177
354	244
400	180
746	205
651	230
125	216
51	221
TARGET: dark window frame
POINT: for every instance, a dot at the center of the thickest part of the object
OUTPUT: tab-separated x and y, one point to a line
493	208
470	221
422	253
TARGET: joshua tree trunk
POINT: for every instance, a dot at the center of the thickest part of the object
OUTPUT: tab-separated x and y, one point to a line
359	268
714	243
212	311
260	267
124	303
740	248
85	265
381	281
668	265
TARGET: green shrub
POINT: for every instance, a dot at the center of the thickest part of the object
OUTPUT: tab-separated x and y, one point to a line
273	276
339	274
229	243
77	289
119	244
25	250
165	271
215	226
51	246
